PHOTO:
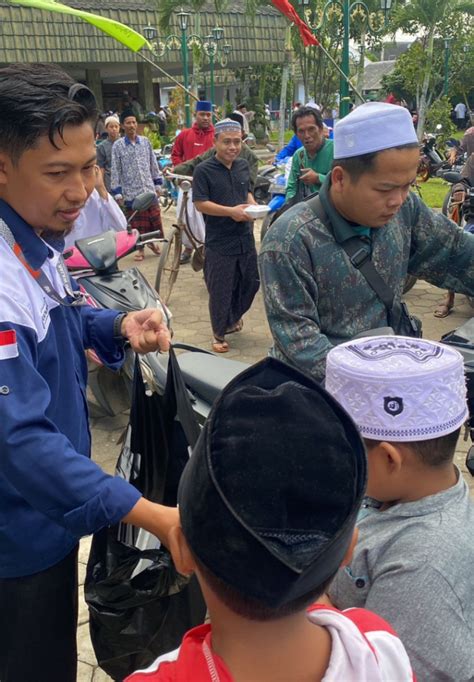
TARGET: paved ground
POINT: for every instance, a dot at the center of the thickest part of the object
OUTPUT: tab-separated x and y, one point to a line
191	324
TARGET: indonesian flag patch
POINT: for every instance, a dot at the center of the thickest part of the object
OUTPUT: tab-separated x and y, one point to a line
8	345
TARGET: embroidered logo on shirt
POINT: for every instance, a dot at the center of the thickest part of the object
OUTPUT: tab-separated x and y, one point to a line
8	345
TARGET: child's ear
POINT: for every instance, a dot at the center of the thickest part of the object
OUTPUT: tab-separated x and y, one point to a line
350	550
390	456
182	557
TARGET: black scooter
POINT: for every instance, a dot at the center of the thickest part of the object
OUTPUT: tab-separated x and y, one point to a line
107	286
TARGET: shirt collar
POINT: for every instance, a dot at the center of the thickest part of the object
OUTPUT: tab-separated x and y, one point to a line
128	141
343	230
33	247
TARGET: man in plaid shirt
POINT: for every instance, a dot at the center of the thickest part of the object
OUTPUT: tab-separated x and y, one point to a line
135	170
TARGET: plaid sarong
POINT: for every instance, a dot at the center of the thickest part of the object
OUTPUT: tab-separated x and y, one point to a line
147	221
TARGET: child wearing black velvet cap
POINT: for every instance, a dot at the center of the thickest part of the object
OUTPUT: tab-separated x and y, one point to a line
268	504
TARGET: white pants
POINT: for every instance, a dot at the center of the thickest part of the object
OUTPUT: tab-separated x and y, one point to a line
195	219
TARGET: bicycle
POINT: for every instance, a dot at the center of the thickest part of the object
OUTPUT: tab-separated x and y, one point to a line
168	265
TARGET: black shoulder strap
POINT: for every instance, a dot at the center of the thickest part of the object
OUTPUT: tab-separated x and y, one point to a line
359	256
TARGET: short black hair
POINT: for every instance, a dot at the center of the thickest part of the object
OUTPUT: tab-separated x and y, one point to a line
252	609
306	111
356	166
37	100
436	452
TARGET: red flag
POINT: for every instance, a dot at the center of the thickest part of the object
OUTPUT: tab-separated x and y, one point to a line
289	11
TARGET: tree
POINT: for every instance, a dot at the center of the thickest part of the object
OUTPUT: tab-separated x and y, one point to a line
435	20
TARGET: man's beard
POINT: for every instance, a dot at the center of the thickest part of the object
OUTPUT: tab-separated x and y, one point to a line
54	235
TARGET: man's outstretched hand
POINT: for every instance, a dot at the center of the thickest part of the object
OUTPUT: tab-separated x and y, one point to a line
146	331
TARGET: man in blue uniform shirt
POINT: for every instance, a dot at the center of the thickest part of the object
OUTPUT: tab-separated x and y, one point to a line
51	493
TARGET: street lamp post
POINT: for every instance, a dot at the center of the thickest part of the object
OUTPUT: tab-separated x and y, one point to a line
346	10
183	18
172	42
211	45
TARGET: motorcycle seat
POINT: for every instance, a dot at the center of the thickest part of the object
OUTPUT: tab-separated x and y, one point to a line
207	374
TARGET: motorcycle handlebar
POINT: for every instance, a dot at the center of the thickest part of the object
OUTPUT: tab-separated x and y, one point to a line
150	235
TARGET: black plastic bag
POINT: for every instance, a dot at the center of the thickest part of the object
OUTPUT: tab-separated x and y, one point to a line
139	606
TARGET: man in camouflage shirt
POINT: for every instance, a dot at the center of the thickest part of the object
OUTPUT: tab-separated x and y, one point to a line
314	297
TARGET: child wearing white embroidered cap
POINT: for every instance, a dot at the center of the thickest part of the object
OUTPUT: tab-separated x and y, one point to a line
414	558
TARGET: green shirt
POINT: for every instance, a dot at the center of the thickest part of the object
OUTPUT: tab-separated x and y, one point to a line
321	162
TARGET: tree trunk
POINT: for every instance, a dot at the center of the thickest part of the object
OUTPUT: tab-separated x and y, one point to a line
284	87
424	98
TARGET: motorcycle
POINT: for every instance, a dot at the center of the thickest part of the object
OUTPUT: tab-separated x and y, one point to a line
169	191
431	159
263	182
278	192
94	264
462	339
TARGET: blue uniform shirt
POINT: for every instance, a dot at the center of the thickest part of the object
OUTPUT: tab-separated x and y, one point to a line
51	493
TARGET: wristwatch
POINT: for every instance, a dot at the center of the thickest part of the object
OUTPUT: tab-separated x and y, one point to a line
117	328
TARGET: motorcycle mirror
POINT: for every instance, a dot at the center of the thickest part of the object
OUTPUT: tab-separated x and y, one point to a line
143	201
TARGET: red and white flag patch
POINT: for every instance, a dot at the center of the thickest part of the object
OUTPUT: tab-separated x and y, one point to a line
8	345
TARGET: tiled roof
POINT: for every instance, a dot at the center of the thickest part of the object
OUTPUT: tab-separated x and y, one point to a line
373	73
30	35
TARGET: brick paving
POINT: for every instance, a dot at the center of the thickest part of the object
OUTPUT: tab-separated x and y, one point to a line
188	304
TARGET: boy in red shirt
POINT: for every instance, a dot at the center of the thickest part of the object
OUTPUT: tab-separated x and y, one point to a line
268	503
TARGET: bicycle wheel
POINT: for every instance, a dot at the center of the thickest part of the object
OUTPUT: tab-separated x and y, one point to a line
168	265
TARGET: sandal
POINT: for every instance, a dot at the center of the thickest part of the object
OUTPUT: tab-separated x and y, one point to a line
443	310
220	345
445	307
155	249
238	326
139	256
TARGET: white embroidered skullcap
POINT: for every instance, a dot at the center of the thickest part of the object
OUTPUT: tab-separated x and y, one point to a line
226	124
398	388
111	119
372	127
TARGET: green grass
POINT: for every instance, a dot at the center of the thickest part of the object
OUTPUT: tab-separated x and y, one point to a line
274	136
433	192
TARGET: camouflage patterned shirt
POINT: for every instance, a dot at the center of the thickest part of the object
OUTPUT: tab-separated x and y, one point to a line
315	298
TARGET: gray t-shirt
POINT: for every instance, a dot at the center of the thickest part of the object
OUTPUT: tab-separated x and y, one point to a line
104	160
414	566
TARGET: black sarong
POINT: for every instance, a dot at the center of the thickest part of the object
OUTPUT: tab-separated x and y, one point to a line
232	282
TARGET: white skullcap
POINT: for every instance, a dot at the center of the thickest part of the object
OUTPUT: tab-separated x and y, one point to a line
372	127
398	388
226	124
111	119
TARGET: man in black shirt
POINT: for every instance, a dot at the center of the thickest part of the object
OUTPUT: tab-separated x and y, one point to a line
221	191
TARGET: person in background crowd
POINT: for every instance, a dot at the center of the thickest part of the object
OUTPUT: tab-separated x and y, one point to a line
222	193
242	109
189	144
187	168
100	213
104	150
135	170
460	111
312	163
